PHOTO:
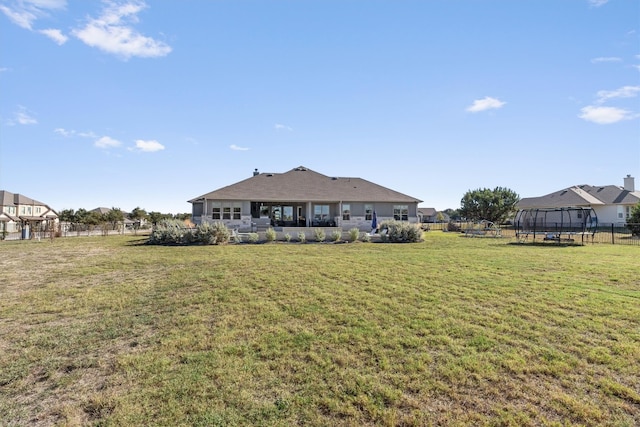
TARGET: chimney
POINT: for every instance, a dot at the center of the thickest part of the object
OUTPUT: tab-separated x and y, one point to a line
629	183
255	172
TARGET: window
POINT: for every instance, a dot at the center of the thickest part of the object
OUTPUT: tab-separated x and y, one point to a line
38	210
287	213
320	212
346	212
628	209
368	212
620	212
401	212
217	210
226	210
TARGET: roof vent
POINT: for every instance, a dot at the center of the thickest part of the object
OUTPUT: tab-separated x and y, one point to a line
269	174
301	168
334	178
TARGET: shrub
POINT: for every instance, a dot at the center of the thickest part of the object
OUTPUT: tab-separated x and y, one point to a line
253	237
167	232
270	235
336	235
287	237
354	233
319	234
633	223
366	237
398	231
452	226
173	232
302	237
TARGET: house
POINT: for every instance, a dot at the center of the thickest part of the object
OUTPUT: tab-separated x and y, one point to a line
611	203
302	198
21	213
427	215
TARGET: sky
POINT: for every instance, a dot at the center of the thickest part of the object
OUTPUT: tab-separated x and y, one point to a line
152	103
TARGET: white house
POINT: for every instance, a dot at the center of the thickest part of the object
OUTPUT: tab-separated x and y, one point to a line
611	203
21	213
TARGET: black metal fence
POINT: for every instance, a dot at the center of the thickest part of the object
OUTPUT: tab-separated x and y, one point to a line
613	234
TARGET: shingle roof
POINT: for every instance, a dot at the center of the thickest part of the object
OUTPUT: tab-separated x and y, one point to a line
582	195
427	211
302	184
13	199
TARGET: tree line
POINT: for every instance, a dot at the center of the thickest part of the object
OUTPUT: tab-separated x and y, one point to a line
83	219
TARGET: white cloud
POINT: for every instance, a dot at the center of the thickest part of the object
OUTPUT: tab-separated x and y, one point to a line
604	115
279	126
55	35
70	132
606	59
112	32
597	3
623	92
22	18
236	148
25	12
487	103
22	117
149	146
107	142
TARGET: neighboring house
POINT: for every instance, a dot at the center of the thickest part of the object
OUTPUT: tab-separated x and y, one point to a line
611	203
127	223
431	215
21	213
302	198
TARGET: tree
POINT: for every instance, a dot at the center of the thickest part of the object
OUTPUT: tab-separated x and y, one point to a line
633	223
80	217
115	216
137	215
453	214
492	205
156	217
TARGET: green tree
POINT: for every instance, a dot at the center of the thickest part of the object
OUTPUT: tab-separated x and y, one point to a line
114	217
454	214
137	215
492	205
440	217
156	217
633	223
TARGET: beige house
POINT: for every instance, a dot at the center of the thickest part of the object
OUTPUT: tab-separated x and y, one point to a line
302	198
20	213
611	203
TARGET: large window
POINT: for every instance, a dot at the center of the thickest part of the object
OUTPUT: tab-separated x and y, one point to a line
401	212
368	212
226	210
346	212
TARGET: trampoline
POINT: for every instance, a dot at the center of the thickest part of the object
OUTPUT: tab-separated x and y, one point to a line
555	224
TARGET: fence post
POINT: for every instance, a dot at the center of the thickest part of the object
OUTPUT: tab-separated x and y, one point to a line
613	239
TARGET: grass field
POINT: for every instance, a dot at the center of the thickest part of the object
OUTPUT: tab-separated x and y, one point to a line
450	331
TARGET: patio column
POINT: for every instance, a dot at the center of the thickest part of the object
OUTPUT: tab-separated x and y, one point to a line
309	214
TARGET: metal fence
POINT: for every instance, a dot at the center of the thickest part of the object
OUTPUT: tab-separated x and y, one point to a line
613	234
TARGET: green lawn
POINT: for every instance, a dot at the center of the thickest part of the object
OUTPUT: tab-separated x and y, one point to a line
451	331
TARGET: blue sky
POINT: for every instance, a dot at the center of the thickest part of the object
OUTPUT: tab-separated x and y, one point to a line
149	104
